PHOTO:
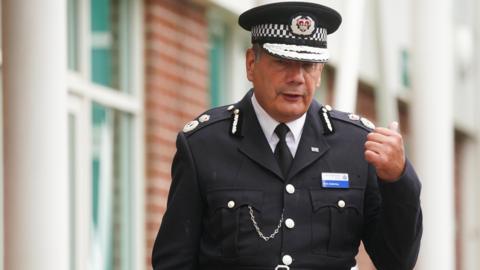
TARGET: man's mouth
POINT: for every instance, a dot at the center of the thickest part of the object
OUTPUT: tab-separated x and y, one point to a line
292	97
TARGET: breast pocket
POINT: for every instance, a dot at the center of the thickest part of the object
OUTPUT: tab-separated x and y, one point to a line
229	219
337	221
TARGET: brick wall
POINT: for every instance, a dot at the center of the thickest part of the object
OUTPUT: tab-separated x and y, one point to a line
176	58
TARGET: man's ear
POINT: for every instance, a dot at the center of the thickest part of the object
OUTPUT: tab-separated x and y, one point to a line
250	63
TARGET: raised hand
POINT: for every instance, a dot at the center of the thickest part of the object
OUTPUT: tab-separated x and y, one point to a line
384	149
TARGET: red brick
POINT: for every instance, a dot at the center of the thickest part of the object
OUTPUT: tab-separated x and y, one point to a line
176	53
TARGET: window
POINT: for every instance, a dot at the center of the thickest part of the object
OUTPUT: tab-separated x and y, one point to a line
217	55
109	43
105	134
227	46
111	185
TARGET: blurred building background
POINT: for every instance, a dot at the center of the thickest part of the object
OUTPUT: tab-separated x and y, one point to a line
94	91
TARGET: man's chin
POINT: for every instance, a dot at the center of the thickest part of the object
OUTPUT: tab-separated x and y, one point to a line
291	116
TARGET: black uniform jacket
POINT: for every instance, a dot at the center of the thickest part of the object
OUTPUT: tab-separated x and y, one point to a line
217	175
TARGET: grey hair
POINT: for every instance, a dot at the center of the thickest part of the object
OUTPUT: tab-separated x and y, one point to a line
257	50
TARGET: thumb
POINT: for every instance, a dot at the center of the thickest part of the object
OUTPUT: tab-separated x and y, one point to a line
394	126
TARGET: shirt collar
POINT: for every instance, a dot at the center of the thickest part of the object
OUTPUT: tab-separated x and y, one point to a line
269	124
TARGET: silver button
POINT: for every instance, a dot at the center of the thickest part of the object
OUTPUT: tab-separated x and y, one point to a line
341	203
289	223
287	259
231	204
290	188
204	118
354	117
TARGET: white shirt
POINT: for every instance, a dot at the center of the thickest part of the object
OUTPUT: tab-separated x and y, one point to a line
269	124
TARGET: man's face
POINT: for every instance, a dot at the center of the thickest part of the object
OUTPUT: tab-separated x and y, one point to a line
284	88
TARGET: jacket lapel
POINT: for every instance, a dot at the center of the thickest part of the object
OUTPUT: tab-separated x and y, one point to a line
254	144
312	145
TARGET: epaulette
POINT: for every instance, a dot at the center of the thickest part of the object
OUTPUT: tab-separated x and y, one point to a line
209	117
354	119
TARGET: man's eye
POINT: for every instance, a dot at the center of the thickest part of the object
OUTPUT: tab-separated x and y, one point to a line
309	65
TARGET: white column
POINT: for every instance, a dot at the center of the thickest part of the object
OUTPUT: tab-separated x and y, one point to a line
432	128
2	216
385	96
346	81
2	219
469	202
472	218
35	126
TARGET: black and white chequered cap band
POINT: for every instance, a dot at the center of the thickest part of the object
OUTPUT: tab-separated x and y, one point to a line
282	31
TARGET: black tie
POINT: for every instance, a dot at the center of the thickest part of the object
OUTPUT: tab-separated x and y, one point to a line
282	153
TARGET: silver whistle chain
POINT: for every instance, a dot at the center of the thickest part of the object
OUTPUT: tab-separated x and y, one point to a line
259	232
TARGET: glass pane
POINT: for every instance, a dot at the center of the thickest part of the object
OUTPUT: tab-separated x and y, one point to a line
405	68
111	189
109	47
217	55
73	39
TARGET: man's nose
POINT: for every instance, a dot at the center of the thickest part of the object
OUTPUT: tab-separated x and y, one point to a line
295	73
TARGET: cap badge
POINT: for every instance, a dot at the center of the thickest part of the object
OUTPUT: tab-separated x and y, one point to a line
303	25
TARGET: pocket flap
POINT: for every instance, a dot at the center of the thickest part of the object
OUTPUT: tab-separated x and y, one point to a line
338	198
234	198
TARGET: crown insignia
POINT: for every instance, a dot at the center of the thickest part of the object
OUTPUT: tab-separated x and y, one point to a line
302	25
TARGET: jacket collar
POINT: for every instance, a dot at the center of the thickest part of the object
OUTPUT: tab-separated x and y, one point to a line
255	146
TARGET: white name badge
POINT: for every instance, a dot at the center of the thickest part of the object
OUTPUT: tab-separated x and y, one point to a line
335	180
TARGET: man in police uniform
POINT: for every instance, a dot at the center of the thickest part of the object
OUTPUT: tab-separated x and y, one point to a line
278	181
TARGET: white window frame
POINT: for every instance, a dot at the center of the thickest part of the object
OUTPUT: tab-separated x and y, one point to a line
2	241
81	93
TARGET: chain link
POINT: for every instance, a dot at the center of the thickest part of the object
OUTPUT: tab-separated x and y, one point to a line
271	236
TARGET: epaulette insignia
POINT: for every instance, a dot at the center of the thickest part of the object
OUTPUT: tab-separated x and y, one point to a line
190	126
235	128
354	119
367	123
326	122
212	116
204	118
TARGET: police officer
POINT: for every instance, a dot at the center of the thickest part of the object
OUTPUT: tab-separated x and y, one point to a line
278	181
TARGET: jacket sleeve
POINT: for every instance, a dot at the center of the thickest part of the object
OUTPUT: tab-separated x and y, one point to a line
393	220
177	243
